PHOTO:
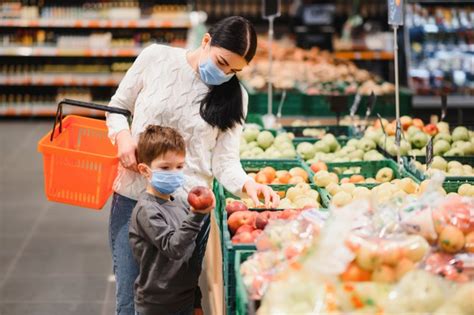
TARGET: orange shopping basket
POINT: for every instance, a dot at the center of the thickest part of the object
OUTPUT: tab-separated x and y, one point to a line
80	163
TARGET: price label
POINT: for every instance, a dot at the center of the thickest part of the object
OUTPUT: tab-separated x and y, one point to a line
398	133
355	104
395	12
444	106
429	153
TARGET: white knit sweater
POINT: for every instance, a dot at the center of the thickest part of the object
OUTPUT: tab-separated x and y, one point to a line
161	88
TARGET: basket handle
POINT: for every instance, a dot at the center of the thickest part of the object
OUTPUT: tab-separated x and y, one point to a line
66	101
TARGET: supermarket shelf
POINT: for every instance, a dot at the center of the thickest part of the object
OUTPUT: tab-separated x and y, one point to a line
28	51
96	23
441	1
455	101
43	110
77	79
364	55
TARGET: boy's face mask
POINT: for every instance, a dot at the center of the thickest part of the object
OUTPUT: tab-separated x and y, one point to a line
166	182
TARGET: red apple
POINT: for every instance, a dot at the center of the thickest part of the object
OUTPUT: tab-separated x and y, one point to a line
417	122
256	234
319	166
237	219
244	228
245	237
235	206
288	214
262	219
201	198
431	129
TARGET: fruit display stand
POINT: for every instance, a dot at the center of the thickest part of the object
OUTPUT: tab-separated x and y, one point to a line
294	102
230	249
421	176
319	105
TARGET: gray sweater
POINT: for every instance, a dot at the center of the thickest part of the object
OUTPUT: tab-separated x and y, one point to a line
163	239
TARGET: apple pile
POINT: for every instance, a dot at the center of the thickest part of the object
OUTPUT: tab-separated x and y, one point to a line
384	261
459	142
451	168
269	175
262	144
245	225
345	193
328	149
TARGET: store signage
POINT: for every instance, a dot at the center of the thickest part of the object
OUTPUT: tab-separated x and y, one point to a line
395	12
319	14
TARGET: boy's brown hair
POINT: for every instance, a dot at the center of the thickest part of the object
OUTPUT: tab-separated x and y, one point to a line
156	141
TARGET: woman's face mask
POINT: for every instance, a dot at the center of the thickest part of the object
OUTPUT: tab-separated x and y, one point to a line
210	73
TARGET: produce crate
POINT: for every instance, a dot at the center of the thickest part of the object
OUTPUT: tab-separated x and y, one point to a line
342	141
450	181
338	131
243	306
295	102
229	255
254	119
318	105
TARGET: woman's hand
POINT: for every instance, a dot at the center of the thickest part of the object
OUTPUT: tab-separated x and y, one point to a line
127	149
253	189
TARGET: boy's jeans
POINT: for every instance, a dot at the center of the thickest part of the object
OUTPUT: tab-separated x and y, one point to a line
126	268
186	311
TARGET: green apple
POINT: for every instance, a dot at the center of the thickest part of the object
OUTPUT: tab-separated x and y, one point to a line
404	147
384	175
441	147
306	150
288	153
412	130
439	163
454	152
454	164
358	154
419	139
443	127
331	140
467	147
250	134
283	145
460	134
322	146
416	152
456	171
373	134
442	136
265	139
467	170
366	144
373	156
252	144
282	138
246	154
352	142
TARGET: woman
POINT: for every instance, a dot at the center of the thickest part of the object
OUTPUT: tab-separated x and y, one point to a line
198	94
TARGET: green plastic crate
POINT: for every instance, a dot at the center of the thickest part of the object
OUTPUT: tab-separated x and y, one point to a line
242	303
295	103
254	119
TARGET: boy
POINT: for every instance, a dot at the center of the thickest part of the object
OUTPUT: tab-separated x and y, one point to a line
163	231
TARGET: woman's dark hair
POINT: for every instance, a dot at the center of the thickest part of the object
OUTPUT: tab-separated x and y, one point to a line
222	106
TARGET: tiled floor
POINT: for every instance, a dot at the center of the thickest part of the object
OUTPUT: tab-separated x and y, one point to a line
54	259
